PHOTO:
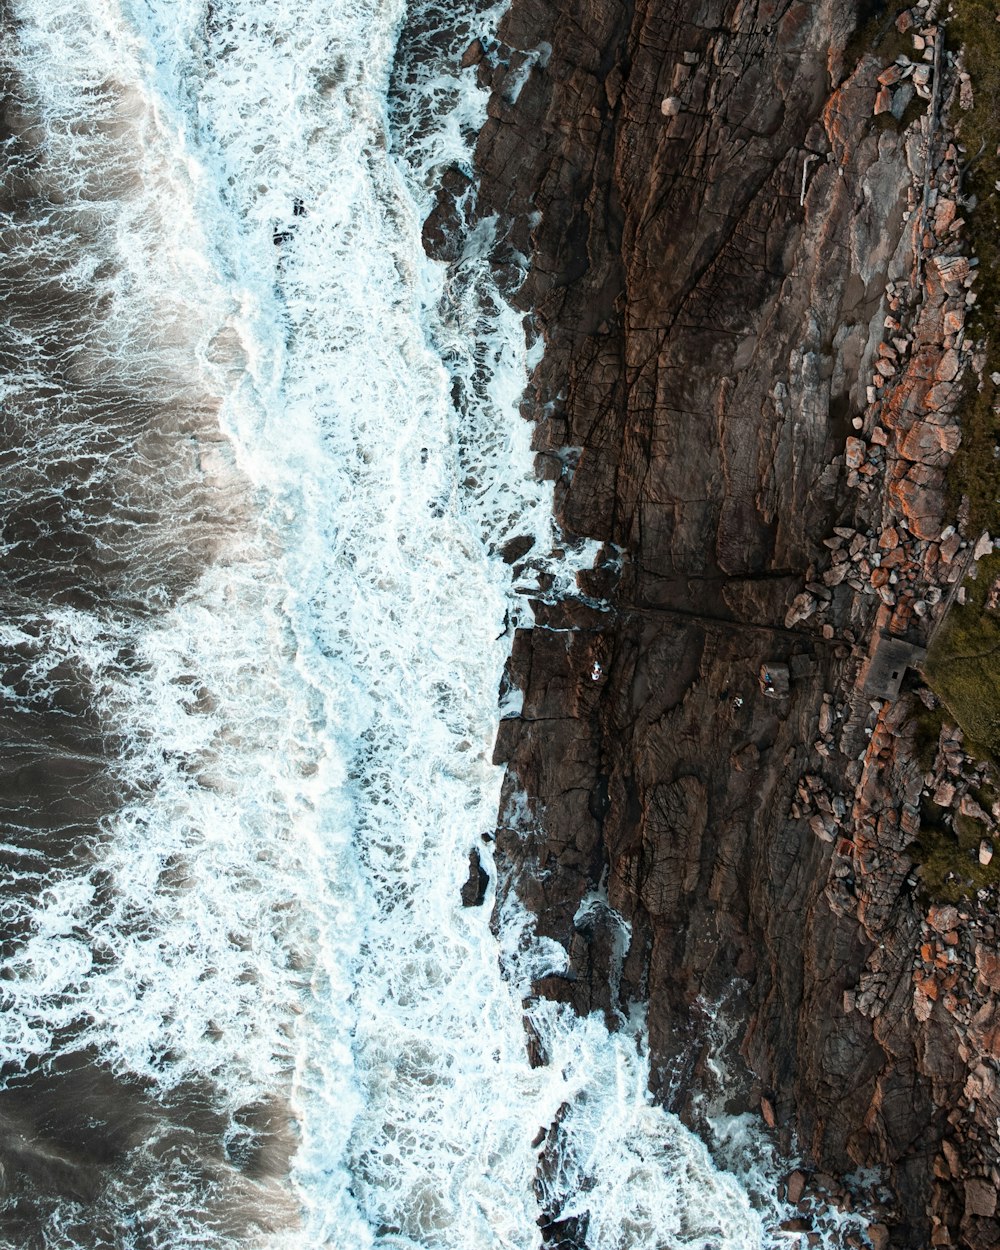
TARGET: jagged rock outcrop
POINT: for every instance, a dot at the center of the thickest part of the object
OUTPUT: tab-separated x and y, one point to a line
746	260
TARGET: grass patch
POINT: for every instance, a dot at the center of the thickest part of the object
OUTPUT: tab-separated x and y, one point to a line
975	471
963	667
948	859
928	725
876	32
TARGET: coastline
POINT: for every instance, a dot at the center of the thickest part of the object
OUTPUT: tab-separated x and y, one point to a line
748	302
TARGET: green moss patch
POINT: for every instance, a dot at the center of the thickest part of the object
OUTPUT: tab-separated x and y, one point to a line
948	859
963	667
975	471
876	32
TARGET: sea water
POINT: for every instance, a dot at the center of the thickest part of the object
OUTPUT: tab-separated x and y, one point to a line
260	458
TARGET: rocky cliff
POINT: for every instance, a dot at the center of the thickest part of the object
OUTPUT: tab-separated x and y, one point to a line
744	228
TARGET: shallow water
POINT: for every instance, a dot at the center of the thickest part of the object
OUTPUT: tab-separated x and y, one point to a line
259	458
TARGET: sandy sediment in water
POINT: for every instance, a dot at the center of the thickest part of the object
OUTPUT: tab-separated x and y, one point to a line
120	490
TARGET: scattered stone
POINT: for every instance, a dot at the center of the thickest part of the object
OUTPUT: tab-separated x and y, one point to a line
943	918
671	106
984	547
969	807
802	607
883	101
950	544
965	96
985	852
944	214
944	795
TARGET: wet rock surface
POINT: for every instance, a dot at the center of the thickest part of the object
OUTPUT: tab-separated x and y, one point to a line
746	259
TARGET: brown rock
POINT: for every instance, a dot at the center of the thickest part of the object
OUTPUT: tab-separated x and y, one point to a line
698	318
472	55
942	918
948	366
984	1030
802	607
953	1158
854	452
988	967
930	443
968	806
878	1236
980	1197
944	215
920	497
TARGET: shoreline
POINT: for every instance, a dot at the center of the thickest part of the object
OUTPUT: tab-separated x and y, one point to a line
747	361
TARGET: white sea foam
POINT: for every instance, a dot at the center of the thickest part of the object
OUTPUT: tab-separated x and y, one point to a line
305	734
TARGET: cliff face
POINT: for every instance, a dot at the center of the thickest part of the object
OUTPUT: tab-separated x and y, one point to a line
745	260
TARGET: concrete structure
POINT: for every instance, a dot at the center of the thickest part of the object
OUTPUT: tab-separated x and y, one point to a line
888	666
